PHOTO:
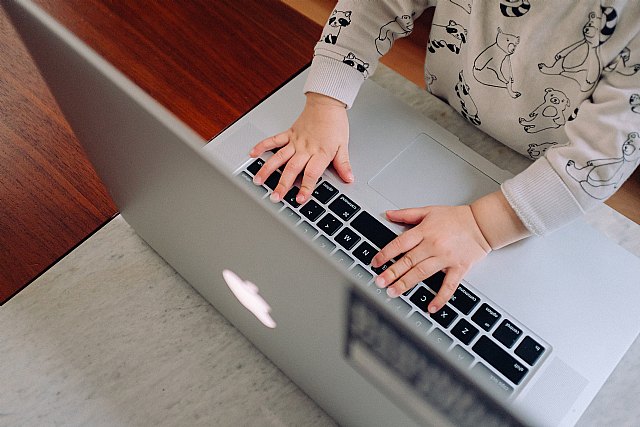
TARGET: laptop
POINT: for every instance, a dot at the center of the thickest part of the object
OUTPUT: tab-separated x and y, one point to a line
527	338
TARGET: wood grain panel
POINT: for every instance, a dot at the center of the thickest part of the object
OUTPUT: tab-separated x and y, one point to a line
50	198
207	61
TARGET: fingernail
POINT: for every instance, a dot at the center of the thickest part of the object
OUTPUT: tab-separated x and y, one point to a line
257	181
350	177
392	292
379	282
432	309
300	198
275	197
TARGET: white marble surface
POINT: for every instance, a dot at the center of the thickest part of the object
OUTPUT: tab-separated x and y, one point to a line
111	335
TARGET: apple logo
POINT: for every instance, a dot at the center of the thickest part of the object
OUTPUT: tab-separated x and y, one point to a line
249	296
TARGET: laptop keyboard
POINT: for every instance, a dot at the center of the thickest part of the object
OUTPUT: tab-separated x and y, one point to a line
480	335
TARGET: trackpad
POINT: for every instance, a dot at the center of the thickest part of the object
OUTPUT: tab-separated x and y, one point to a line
427	173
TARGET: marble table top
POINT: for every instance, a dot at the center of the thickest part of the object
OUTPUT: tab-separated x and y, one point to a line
112	335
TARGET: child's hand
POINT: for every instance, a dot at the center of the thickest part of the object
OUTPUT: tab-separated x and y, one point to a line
449	239
445	238
319	136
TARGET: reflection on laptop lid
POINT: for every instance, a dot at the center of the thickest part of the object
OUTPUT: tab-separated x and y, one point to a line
490	356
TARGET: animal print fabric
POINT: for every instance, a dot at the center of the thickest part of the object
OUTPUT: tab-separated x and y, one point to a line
559	82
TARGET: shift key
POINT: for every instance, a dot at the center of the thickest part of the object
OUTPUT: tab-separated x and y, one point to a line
500	360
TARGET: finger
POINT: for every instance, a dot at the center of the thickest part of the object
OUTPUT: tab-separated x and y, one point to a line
408	216
295	165
273	163
418	273
451	281
401	244
270	143
342	164
412	268
401	266
315	167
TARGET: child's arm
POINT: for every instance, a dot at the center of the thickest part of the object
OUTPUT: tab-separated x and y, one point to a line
449	239
602	148
552	192
343	58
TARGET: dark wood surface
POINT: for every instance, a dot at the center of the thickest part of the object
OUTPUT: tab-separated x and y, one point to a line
207	61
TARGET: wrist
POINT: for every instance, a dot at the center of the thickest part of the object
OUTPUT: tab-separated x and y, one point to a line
497	220
314	98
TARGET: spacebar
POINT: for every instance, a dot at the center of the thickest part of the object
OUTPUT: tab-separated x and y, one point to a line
373	229
502	361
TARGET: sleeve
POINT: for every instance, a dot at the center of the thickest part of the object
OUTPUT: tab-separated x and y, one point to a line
603	151
356	35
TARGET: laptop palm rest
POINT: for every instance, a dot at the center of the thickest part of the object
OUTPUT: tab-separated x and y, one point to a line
427	173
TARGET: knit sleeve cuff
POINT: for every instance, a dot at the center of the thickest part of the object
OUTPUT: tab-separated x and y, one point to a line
541	199
332	78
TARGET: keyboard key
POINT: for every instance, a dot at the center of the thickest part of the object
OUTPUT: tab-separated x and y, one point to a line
343	258
325	243
380	293
445	316
434	282
246	178
486	317
359	273
421	298
461	356
421	323
324	192
500	360
272	181
290	215
307	229
407	292
400	306
312	210
347	238
464	331
365	252
344	207
290	197
373	229
464	300
275	206
440	339
254	167
382	268
491	380
257	189
529	350
329	224
507	333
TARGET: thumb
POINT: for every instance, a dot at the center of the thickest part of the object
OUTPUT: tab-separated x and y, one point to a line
342	164
407	216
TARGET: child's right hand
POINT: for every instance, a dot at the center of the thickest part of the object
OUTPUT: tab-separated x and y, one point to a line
318	137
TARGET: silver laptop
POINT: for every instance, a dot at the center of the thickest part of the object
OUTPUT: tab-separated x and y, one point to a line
530	336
